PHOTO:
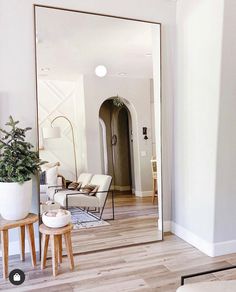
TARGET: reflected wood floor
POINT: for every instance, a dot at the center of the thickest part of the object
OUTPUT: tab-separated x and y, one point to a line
128	205
135	222
149	267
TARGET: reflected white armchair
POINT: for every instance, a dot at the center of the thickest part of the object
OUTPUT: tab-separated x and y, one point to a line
79	199
84	179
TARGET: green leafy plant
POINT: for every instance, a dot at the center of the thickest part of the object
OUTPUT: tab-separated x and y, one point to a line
118	101
18	162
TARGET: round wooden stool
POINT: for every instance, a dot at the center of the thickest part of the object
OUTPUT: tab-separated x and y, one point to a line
5	225
55	235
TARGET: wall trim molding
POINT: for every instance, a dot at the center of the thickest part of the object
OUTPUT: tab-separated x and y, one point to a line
211	249
224	247
121	188
143	193
188	236
166	225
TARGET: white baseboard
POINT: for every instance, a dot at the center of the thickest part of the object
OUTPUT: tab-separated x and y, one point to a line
167	226
211	249
121	188
193	239
143	193
224	247
14	247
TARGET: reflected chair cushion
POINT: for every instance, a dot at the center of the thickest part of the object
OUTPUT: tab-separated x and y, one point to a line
91	190
84	200
85	178
51	176
77	200
74	186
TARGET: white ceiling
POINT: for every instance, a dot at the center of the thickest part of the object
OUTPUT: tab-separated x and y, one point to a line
70	43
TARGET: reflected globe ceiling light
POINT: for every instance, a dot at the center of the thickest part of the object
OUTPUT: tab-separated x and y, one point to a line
101	71
123	74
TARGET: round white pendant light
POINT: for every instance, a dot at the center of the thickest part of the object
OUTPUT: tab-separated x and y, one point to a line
101	71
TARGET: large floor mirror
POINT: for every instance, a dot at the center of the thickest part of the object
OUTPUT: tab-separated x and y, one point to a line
99	125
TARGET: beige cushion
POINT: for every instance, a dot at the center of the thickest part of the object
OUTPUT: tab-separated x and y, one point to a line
89	189
85	178
51	170
104	182
216	286
81	200
74	186
78	200
51	176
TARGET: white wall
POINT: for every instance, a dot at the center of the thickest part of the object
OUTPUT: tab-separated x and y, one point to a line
196	107
225	214
137	93
17	70
62	98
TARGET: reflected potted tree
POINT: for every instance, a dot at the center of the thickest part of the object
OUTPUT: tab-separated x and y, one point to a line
18	163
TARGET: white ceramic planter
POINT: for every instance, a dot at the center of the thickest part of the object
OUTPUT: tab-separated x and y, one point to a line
56	222
15	200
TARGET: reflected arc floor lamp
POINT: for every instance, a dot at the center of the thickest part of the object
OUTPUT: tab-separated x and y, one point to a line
55	132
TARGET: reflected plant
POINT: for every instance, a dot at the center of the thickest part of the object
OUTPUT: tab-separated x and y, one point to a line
118	101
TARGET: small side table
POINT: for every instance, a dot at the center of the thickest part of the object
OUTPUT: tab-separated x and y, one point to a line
27	223
55	235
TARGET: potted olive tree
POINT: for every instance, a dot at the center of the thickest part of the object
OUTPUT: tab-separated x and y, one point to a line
18	163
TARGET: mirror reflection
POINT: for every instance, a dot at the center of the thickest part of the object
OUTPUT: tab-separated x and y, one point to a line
98	81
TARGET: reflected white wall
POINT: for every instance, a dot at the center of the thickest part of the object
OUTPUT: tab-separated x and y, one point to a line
137	93
62	98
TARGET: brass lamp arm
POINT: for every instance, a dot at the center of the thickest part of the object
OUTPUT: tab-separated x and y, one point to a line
73	139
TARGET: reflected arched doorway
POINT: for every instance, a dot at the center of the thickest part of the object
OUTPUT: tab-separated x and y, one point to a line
116	145
103	146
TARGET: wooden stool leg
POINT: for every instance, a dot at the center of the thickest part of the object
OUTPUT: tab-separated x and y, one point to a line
45	240
22	243
54	248
60	248
4	241
30	231
69	249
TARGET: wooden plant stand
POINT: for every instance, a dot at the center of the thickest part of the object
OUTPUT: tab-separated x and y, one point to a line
27	223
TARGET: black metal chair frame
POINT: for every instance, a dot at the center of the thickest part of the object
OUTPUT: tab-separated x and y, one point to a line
98	192
102	209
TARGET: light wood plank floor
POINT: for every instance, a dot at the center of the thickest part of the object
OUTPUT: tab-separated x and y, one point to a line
135	222
128	205
150	267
